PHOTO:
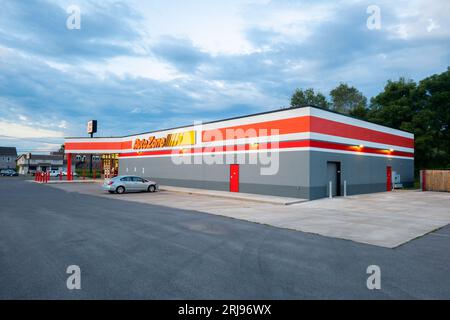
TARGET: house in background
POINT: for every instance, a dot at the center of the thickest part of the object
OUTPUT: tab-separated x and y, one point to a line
8	156
30	163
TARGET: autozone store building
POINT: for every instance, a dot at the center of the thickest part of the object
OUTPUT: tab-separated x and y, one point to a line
293	152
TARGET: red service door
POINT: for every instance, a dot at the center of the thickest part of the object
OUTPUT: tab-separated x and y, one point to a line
234	178
388	178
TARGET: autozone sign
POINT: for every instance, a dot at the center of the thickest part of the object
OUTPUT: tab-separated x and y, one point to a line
171	140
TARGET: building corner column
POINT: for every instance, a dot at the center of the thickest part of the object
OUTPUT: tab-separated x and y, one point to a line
69	166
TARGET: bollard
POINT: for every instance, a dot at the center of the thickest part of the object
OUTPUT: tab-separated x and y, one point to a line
345	188
331	190
48	176
93	174
84	174
60	175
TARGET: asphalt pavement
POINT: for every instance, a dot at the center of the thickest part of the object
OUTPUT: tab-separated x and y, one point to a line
134	250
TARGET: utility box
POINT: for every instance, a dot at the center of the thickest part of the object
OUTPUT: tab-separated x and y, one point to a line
396	181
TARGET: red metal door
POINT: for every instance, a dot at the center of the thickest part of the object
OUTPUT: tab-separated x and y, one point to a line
234	178
388	178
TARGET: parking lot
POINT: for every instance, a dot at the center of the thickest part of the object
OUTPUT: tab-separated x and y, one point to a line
386	219
143	250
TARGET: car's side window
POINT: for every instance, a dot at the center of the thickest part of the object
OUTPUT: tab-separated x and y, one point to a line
125	179
137	179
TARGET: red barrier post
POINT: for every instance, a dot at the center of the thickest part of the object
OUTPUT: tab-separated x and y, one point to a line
84	174
48	176
69	166
60	175
93	174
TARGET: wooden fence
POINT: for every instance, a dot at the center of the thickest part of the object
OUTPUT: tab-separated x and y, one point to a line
435	180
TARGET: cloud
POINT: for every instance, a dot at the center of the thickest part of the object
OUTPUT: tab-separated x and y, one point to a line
23	131
139	66
39	28
181	53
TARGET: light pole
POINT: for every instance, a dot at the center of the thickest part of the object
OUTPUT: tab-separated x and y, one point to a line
91	129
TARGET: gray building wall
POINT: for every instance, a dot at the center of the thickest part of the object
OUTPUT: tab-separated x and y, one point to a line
291	179
364	174
301	174
7	162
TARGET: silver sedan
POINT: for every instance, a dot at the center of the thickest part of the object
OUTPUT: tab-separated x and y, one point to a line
121	184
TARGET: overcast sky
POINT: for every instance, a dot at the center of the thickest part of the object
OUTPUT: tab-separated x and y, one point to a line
144	65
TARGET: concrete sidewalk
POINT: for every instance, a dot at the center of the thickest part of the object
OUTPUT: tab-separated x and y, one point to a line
236	195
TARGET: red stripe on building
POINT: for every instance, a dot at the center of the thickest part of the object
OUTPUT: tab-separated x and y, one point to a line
283	126
113	145
339	129
305	124
269	146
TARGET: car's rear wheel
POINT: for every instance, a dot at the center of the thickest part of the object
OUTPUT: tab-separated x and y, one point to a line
120	190
151	188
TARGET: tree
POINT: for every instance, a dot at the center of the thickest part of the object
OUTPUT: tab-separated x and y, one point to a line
394	107
348	100
431	122
423	109
302	98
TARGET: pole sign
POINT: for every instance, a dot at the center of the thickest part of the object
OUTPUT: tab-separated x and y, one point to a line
92	126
